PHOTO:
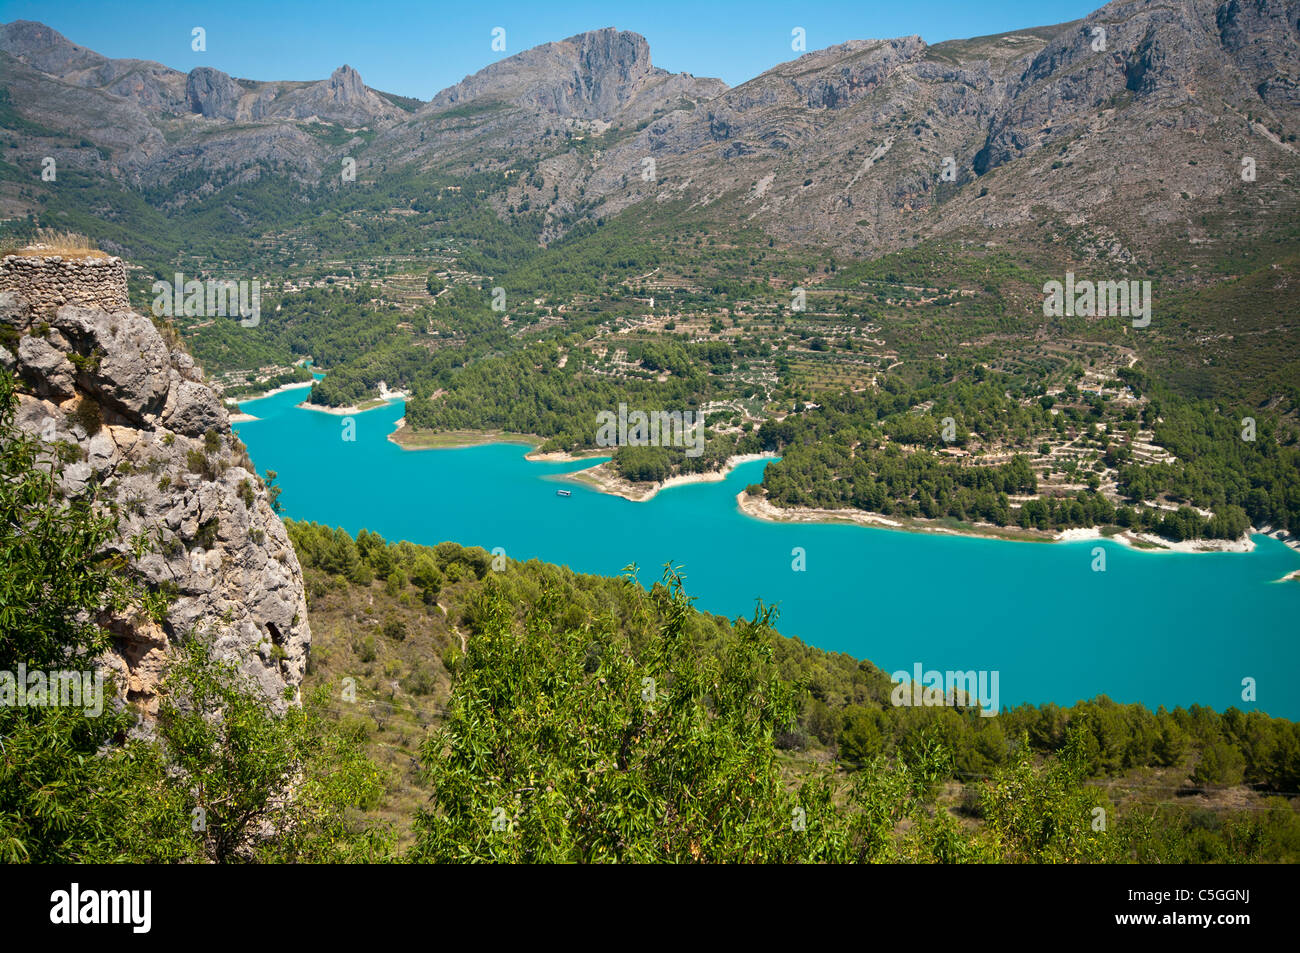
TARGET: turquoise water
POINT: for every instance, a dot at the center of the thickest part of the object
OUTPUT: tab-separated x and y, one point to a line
1157	628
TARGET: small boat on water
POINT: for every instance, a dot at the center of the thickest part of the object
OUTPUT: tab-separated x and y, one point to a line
564	493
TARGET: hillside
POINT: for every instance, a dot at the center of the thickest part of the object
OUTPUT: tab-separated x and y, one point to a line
1132	135
394	623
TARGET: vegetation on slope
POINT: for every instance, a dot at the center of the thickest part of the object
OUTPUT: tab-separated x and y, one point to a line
510	660
393	279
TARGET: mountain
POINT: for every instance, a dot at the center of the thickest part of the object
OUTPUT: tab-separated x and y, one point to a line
1132	123
603	75
847	145
155	123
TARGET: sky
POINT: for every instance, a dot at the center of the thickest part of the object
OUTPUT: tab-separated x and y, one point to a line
418	48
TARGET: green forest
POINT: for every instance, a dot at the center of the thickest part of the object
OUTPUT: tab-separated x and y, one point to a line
848	453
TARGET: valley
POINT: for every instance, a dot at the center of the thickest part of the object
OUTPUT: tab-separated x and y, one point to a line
565	466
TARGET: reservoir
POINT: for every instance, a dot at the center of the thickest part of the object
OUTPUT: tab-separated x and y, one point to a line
1157	628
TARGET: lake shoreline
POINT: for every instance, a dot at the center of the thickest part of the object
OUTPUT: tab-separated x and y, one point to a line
760	508
603	478
385	398
410	439
600	476
343	411
249	398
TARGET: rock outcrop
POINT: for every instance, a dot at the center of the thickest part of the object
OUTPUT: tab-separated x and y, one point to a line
342	98
589	76
212	93
156	439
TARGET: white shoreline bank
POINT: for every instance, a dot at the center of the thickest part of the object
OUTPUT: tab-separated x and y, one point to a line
602	477
385	398
1150	542
760	508
298	385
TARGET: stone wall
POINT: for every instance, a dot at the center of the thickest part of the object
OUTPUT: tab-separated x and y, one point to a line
48	283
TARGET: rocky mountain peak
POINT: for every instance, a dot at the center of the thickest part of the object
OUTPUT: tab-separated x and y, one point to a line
611	68
212	93
345	84
590	76
44	48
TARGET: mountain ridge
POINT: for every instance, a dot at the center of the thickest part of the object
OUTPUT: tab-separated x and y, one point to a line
866	146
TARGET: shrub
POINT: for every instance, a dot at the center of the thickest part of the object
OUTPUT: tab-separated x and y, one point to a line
210	468
1221	765
89	414
419	682
395	629
207	534
86	364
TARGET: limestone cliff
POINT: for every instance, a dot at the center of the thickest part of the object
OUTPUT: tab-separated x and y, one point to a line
157	440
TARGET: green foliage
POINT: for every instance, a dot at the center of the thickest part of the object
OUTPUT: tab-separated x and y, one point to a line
1049	815
295	375
54	576
261	786
569	742
1241	481
1221	764
208	530
562	746
88	414
225	779
847	453
62	798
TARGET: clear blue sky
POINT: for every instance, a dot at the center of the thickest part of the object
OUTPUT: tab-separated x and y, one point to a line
417	48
